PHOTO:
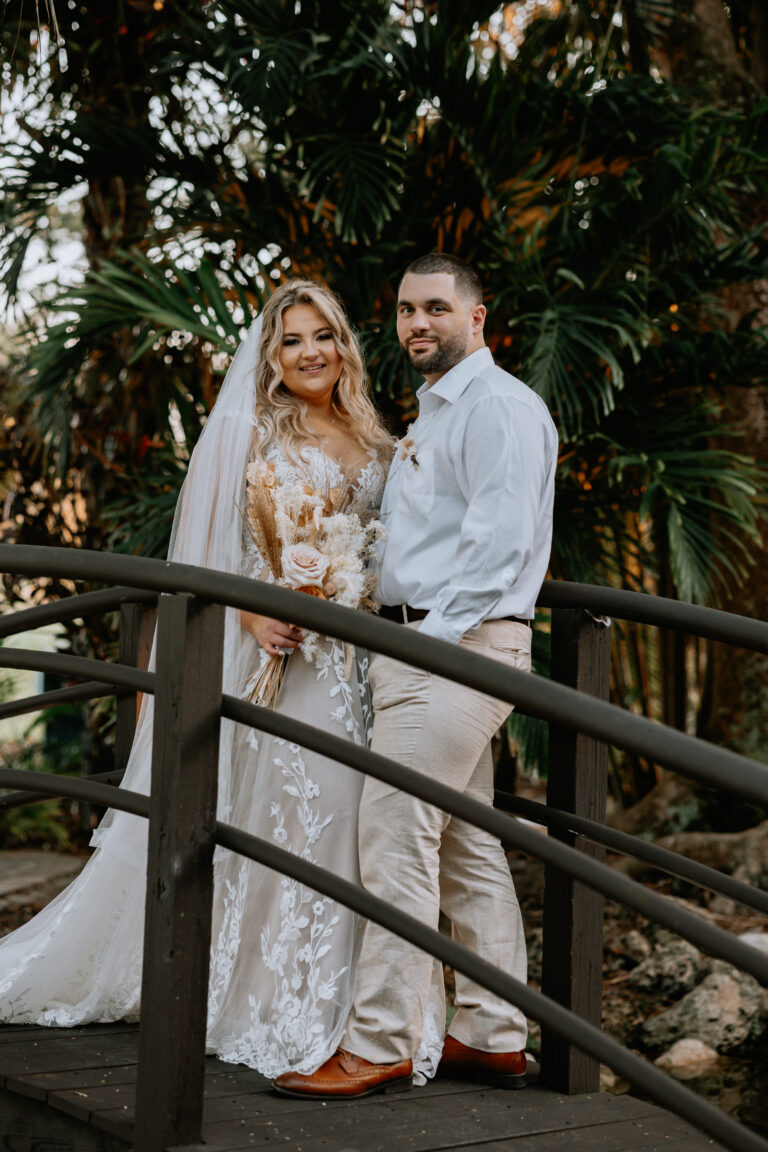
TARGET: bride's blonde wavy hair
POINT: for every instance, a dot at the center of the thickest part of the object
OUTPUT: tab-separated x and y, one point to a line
282	416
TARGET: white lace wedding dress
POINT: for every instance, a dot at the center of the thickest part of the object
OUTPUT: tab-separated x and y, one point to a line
282	956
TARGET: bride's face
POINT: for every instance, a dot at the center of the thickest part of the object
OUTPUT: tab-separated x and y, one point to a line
308	356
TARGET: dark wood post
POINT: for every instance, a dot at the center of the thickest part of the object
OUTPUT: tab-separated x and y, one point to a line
573	914
174	990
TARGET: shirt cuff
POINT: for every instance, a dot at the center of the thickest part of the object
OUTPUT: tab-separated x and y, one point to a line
436	626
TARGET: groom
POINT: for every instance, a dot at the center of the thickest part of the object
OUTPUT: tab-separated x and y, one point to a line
468	512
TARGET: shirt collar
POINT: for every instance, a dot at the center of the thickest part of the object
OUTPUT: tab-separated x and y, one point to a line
450	386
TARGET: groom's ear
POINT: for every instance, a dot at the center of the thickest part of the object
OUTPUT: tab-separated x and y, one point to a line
478	318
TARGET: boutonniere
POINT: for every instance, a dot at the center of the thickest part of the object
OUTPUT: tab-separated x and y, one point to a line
407	449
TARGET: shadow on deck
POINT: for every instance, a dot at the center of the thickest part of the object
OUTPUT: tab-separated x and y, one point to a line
72	1090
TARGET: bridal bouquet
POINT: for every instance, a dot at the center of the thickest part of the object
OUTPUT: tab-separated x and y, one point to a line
312	541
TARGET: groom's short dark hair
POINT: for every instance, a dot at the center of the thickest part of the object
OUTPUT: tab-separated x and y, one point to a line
466	279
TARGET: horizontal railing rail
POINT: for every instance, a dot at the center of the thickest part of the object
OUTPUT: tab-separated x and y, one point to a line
56	698
539	697
510	831
81	667
83	788
21	799
73	608
673	863
659	611
139	580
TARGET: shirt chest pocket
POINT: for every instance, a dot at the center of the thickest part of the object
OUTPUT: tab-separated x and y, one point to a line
416	493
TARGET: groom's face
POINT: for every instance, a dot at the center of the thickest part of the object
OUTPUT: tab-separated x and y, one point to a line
436	326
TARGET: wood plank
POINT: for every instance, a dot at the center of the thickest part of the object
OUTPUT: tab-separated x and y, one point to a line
10	1033
573	913
269	1104
654	1132
190	638
236	1082
64	1055
38	1085
118	1122
651	1134
380	1124
27	1126
84	1102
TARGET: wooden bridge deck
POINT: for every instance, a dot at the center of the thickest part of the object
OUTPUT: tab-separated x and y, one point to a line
73	1091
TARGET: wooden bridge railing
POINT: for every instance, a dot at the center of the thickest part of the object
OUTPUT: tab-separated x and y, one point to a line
184	830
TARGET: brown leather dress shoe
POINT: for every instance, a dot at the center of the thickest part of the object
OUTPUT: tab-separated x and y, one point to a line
346	1075
500	1069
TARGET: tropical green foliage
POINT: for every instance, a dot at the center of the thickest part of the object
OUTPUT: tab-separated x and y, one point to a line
607	210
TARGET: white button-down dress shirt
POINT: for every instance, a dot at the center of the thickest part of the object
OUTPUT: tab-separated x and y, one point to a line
468	504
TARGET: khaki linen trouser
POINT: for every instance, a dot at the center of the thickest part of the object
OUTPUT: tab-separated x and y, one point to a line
420	859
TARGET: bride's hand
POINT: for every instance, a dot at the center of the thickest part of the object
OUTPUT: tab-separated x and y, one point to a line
274	636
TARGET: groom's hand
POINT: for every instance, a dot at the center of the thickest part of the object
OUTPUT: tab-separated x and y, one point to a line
275	636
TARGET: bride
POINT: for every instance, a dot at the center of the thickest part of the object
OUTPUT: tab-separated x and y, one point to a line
282	956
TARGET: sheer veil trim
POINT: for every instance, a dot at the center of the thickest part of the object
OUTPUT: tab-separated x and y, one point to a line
207	531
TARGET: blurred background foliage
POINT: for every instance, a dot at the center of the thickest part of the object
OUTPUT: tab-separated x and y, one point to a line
602	162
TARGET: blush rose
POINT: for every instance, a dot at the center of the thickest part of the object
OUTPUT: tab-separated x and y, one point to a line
304	566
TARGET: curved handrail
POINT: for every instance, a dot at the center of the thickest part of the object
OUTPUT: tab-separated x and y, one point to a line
537	696
56	698
84	604
141	572
77	788
83	667
659	611
661	858
509	830
21	799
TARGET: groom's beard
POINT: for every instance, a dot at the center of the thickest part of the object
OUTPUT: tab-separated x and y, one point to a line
440	357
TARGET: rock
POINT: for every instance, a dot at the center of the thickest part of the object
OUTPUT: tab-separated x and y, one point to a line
611	1082
757	940
636	946
687	1058
620	1015
673	967
727	1009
